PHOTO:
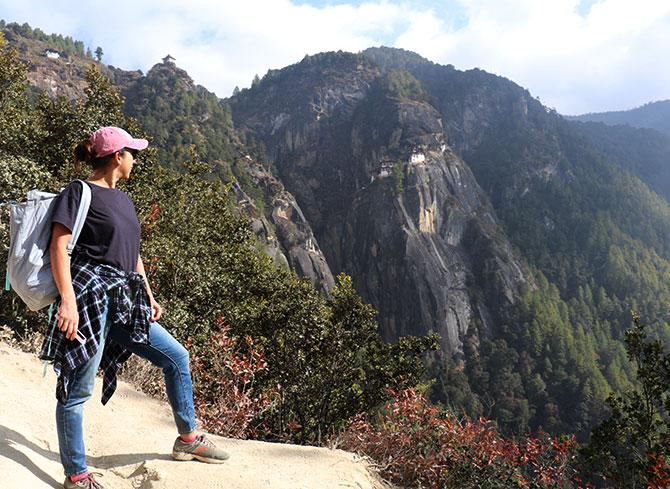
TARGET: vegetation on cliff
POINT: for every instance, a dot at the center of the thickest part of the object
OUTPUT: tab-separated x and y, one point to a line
179	114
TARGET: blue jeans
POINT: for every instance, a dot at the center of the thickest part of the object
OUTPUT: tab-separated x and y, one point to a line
164	352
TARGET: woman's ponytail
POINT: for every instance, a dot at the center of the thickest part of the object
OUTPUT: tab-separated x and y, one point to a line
84	152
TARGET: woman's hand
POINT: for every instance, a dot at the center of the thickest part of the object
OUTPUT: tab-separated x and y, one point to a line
156	310
68	318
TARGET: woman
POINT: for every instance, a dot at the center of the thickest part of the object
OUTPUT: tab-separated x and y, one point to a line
106	310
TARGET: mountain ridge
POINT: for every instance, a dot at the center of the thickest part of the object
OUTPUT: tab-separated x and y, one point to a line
459	203
652	115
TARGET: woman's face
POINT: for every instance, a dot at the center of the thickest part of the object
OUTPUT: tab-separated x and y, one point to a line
127	160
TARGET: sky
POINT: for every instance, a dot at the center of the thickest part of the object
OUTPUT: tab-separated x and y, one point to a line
577	56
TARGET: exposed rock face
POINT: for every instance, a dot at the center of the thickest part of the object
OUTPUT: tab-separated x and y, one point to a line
305	127
60	74
425	252
283	228
391	204
427	257
487	116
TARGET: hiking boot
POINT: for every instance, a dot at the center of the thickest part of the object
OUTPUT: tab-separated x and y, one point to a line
87	482
201	448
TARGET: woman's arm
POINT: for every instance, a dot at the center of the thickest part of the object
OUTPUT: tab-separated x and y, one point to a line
156	309
68	316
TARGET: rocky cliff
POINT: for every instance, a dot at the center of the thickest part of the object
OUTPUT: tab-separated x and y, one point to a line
390	202
282	227
181	114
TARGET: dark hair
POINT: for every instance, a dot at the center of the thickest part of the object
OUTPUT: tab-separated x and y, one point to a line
84	152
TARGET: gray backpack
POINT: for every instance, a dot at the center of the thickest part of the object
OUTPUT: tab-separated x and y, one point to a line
29	264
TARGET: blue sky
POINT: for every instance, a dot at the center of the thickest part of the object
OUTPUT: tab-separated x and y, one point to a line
452	12
575	55
584	7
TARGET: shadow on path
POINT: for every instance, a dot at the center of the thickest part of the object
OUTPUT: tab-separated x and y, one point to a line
9	438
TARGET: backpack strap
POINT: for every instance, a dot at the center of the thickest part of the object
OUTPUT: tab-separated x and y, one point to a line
6	203
84	204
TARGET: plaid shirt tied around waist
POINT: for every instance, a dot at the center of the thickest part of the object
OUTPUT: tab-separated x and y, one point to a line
103	292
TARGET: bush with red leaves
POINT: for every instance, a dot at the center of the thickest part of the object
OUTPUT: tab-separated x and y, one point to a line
414	444
223	383
659	473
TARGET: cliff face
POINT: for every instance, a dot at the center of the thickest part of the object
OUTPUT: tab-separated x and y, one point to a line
508	138
181	113
390	202
302	117
286	234
430	257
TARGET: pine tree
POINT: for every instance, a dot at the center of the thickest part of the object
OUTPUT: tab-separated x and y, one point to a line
632	447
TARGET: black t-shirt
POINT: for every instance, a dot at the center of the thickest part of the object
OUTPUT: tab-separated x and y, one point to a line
111	232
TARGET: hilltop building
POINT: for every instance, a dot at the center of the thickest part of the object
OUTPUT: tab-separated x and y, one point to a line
51	54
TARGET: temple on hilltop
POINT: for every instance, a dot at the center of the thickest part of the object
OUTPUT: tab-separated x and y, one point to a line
168	59
50	53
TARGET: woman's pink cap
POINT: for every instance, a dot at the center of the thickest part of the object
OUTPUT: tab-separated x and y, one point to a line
108	140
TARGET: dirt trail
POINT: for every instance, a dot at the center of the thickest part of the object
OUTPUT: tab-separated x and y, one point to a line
132	456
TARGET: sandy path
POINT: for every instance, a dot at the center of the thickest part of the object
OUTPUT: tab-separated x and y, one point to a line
29	446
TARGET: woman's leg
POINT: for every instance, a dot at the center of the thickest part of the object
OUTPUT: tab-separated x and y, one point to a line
69	416
167	353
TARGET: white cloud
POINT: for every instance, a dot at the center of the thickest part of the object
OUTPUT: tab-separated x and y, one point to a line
608	59
612	58
240	38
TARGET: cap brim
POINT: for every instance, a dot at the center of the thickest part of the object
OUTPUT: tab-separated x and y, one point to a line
137	144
